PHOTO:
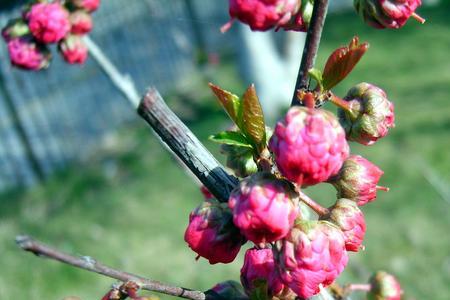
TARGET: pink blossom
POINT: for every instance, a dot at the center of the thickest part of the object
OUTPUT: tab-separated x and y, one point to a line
211	233
309	145
73	50
48	22
259	265
358	180
386	13
264	207
27	54
81	22
384	287
371	114
313	254
350	219
88	5
262	15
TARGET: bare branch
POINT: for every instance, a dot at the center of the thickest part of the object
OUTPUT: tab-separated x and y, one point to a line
87	263
186	146
122	82
311	45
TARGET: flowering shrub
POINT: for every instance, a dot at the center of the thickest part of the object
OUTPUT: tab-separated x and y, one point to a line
294	255
46	22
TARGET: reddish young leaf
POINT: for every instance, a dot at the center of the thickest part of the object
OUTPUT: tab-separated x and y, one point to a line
341	62
252	117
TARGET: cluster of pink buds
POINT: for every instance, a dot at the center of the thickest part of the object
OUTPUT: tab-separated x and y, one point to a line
294	256
46	22
262	15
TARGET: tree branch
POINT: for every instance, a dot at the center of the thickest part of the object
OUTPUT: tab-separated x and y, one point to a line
122	82
311	46
186	146
27	243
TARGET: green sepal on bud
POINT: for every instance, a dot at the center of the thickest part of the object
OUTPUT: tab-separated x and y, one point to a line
307	10
15	28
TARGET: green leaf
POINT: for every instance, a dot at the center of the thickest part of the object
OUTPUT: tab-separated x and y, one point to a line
231	138
230	102
316	74
253	124
342	61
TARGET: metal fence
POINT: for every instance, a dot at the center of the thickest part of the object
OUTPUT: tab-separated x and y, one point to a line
53	117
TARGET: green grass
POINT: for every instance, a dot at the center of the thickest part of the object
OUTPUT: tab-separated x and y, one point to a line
129	206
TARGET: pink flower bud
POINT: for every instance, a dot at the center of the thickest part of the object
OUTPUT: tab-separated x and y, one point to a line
81	22
227	290
14	29
386	13
263	15
88	5
357	180
211	233
73	50
384	287
300	21
259	267
350	219
48	22
309	145
312	254
370	115
27	54
264	207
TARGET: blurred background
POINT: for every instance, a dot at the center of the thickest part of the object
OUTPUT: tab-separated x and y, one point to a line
81	171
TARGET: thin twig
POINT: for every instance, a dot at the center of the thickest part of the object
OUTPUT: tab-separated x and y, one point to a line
319	209
87	263
311	46
186	146
122	82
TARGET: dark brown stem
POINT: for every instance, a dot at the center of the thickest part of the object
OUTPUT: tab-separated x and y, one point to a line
87	263
319	209
186	146
311	46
